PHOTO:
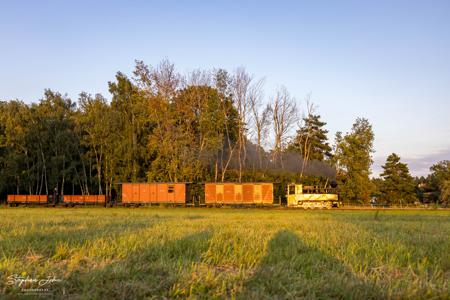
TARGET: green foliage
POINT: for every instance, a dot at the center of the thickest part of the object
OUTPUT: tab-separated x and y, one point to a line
353	158
445	191
162	126
439	180
38	143
14	133
96	129
311	139
191	134
398	185
129	107
155	128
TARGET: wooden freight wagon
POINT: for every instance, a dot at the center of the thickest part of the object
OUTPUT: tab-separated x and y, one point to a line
84	200
239	193
155	193
15	200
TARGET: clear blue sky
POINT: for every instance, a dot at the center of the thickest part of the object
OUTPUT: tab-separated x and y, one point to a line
388	61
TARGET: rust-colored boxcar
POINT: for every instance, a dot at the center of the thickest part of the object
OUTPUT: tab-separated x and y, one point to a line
153	193
27	199
239	193
84	199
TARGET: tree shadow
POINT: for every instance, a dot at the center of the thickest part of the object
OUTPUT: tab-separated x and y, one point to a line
292	269
151	272
40	251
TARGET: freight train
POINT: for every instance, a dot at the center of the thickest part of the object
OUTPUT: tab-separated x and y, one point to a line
66	200
191	194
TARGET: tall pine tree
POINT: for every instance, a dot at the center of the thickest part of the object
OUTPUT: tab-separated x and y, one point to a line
311	139
398	184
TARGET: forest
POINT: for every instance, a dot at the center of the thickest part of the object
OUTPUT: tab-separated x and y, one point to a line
205	126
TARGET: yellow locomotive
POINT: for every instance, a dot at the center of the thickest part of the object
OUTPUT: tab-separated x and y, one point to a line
304	196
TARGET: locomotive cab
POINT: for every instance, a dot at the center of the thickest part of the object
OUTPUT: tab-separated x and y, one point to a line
299	195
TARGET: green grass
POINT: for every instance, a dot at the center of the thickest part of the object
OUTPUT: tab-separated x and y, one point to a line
226	253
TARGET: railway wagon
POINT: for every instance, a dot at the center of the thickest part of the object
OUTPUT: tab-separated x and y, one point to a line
303	196
238	194
155	193
72	200
16	200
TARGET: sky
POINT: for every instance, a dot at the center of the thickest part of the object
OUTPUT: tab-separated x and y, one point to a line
387	61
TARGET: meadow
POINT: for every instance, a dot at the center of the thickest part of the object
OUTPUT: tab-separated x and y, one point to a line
118	253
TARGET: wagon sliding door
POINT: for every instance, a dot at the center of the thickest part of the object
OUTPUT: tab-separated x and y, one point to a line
153	190
219	193
238	197
162	193
180	193
127	193
210	193
229	196
135	197
144	193
257	195
247	191
267	193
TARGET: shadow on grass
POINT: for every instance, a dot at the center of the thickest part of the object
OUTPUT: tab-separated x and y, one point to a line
292	269
150	272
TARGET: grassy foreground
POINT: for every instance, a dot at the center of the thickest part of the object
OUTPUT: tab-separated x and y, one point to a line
224	253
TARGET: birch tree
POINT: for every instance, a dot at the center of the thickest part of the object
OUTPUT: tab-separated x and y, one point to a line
241	84
284	117
260	115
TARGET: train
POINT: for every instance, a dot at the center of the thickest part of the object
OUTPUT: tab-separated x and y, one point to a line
303	196
66	200
194	194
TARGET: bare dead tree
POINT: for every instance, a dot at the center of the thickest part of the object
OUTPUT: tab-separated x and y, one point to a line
241	84
284	117
260	116
305	139
197	78
166	79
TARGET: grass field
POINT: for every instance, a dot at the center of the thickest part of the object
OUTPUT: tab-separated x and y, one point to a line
224	253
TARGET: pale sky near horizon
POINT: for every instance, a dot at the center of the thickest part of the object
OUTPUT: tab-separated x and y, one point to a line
388	61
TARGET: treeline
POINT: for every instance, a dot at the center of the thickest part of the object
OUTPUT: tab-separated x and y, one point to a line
161	125
397	186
